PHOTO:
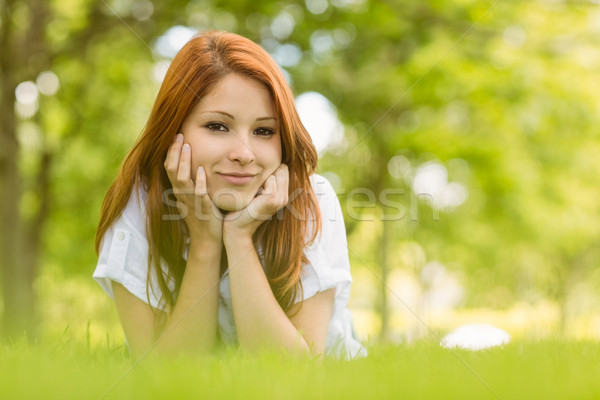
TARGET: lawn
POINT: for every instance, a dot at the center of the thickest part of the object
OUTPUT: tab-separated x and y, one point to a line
423	370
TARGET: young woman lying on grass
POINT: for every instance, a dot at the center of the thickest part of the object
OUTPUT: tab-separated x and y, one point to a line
216	229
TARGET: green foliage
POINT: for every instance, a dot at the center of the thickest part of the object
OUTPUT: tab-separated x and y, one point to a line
505	100
509	109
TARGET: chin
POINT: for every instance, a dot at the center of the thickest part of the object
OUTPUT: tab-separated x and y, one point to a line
229	203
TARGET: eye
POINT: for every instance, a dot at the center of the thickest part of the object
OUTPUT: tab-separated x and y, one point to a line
215	126
264	132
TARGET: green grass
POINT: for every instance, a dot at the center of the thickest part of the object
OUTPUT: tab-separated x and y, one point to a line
521	370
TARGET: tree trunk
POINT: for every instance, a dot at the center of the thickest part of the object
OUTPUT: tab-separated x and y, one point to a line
20	240
15	274
17	289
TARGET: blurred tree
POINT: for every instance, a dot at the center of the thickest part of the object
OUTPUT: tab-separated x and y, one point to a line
19	237
501	113
35	37
508	113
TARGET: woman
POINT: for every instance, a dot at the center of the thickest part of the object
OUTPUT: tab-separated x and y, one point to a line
216	227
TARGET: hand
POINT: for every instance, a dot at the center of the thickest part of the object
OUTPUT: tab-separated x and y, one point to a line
201	215
272	198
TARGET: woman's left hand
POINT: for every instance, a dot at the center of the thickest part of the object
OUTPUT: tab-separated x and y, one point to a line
273	197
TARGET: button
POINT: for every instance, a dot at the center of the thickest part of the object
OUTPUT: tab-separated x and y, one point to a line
121	236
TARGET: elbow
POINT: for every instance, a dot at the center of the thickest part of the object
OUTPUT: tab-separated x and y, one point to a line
293	346
311	352
198	347
315	352
302	349
165	346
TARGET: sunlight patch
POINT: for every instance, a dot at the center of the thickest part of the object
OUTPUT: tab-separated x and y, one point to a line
475	337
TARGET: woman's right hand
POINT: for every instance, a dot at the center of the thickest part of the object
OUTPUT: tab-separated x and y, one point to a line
202	217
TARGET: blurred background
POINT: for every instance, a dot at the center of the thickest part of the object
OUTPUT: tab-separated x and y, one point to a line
462	138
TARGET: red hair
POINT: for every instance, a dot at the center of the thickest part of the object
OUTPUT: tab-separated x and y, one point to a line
200	64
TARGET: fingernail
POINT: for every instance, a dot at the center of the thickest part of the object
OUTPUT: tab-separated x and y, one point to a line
179	137
186	148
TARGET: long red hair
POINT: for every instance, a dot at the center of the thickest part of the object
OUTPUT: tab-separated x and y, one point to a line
200	64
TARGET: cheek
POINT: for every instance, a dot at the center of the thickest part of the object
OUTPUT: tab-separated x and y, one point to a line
199	157
272	156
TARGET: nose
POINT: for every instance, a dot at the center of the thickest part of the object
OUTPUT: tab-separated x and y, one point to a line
241	151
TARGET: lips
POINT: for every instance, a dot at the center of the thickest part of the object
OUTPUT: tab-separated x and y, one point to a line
237	179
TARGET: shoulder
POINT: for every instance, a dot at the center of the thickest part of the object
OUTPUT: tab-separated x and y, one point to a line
328	201
123	256
131	222
327	256
130	225
134	213
322	187
329	205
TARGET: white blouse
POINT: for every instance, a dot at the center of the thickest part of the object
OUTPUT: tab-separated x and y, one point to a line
124	259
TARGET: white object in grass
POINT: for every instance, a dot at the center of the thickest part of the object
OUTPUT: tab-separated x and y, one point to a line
475	337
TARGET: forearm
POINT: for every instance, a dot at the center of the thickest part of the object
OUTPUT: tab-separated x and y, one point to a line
192	324
259	319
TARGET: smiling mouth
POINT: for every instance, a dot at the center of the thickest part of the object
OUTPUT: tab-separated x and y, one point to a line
237	179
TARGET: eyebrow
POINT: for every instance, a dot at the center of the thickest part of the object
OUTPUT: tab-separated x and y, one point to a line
233	118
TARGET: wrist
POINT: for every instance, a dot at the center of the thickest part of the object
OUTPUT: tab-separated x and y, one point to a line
236	237
205	233
204	246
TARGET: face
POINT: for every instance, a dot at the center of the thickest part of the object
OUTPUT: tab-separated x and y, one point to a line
234	134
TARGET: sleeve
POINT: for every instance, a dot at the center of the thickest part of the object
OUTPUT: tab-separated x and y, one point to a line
328	265
123	254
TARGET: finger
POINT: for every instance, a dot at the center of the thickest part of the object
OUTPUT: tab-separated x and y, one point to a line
200	201
282	177
270	186
201	187
185	165
284	168
172	159
282	174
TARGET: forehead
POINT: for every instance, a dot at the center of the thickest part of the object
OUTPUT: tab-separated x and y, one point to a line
239	96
